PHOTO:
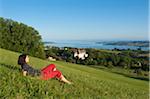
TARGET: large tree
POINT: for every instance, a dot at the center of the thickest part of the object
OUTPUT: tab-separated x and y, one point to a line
19	37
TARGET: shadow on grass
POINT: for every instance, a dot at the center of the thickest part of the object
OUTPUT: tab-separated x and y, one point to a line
132	76
11	67
126	75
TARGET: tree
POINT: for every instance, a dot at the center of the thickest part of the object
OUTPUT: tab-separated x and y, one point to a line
20	38
115	59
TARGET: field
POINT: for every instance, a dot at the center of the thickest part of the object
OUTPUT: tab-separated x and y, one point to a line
89	83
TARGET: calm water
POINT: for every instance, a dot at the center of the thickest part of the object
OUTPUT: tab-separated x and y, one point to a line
89	44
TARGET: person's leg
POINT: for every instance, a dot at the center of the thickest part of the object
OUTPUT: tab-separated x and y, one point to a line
59	76
50	71
62	78
46	71
50	67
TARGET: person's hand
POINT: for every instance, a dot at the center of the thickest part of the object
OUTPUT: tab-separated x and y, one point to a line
24	73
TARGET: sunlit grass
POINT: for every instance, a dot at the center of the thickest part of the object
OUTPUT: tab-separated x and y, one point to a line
88	82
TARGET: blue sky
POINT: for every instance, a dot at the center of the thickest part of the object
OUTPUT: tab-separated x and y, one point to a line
81	19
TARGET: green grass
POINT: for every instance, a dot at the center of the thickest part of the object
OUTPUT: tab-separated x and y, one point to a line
88	82
125	72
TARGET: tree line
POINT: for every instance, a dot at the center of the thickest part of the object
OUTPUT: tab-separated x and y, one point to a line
124	59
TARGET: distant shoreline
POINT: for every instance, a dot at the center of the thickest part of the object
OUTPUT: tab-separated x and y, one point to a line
47	42
109	45
128	43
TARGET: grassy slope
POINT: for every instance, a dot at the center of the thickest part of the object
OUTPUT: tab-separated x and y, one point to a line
88	82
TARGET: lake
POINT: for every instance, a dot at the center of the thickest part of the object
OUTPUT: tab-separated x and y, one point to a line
89	44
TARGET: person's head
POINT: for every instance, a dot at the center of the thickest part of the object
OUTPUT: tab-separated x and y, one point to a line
23	59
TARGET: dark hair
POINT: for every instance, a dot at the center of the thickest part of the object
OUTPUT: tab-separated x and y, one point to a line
21	59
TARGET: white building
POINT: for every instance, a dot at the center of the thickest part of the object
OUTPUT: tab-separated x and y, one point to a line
81	54
51	58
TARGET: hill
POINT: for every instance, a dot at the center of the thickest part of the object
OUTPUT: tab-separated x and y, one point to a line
88	82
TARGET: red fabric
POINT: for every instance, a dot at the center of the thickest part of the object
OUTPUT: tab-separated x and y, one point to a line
48	72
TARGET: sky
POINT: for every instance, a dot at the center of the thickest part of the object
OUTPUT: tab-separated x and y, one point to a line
81	19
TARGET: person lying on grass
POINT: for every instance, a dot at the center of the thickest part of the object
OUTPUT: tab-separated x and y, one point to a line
46	73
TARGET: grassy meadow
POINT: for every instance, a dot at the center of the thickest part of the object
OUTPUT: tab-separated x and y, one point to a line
89	83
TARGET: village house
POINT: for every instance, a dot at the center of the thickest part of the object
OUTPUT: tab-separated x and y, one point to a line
51	58
80	54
